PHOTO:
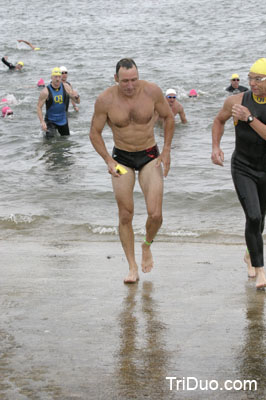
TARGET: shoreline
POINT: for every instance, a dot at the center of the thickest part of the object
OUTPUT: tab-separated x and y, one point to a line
71	329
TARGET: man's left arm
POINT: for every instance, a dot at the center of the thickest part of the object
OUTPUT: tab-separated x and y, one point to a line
73	94
165	112
182	114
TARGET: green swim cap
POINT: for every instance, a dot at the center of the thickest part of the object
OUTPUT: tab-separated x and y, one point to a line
259	67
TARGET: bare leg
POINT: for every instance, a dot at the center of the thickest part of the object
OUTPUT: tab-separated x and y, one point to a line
123	188
261	278
151	182
251	270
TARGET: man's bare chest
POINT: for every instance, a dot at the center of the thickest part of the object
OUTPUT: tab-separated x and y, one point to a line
123	115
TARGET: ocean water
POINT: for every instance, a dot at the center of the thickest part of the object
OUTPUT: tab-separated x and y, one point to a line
61	187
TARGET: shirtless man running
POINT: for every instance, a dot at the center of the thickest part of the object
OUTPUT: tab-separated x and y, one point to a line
129	109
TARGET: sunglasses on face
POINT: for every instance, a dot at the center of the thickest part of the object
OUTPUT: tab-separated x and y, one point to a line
171	97
235	80
63	73
257	79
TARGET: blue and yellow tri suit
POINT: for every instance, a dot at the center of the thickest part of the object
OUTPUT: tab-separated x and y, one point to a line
56	115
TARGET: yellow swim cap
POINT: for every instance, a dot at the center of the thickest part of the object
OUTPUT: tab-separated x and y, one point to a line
56	71
21	63
36	48
259	67
235	76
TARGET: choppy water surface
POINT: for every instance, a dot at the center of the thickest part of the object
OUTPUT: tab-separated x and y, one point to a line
63	184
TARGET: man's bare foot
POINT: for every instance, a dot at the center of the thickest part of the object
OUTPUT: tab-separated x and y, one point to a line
133	276
147	260
261	278
251	270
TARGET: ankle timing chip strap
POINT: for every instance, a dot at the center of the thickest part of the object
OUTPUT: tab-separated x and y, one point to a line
146	242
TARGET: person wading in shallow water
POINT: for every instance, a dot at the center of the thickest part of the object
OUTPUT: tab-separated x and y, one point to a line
54	96
64	73
129	109
248	163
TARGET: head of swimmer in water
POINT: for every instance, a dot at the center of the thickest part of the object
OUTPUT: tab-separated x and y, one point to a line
235	81
19	65
170	95
64	73
127	76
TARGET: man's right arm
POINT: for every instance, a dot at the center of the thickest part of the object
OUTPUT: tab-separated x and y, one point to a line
218	129
98	122
28	43
42	99
8	64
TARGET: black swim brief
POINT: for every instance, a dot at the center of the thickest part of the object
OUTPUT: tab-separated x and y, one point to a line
135	159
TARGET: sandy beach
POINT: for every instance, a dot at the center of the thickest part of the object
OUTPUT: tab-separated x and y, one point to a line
70	328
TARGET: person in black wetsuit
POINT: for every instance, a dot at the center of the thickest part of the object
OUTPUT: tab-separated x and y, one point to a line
19	65
64	72
235	88
248	164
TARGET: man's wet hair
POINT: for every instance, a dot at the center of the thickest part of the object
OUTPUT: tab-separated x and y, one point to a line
125	63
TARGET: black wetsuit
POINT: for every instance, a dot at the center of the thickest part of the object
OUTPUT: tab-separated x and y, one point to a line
67	96
8	64
233	90
248	168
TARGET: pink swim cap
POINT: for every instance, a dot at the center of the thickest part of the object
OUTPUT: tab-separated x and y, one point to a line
3	100
41	82
6	111
193	93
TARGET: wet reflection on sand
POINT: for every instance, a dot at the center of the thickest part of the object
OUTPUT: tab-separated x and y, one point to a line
142	364
252	357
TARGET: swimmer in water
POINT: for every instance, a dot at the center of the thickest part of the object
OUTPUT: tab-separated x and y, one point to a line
235	88
64	72
248	164
6	111
19	65
193	93
176	107
41	83
35	48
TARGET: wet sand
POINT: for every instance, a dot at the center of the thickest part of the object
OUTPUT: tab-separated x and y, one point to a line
70	328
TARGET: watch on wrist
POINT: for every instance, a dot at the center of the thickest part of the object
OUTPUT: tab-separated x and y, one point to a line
250	119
